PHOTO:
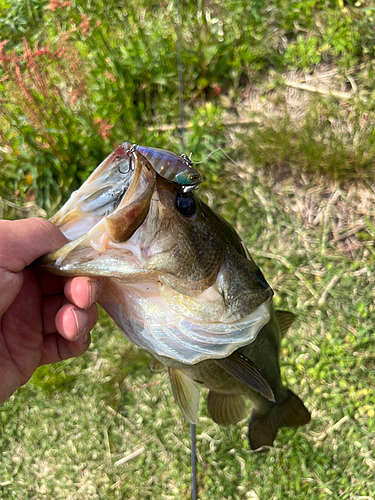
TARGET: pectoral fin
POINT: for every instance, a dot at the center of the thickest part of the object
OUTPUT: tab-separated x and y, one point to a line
243	369
156	365
226	409
185	394
285	319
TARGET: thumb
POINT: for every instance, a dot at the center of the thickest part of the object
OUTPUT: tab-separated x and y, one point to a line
23	241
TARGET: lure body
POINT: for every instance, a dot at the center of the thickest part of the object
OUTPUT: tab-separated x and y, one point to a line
171	166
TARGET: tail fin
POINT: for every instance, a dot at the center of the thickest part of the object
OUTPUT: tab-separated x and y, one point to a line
263	429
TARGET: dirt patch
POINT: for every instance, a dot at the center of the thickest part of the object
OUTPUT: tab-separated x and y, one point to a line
343	209
291	93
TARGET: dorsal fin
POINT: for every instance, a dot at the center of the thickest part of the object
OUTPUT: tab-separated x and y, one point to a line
285	319
243	369
185	394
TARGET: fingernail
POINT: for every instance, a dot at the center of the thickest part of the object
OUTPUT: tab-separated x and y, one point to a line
81	345
94	291
86	339
82	321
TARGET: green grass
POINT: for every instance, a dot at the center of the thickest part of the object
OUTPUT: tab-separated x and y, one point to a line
63	433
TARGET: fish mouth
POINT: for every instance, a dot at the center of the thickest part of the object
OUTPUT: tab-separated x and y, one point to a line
112	204
100	195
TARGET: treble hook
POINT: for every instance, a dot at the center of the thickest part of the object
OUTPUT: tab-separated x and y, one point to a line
129	153
188	160
118	159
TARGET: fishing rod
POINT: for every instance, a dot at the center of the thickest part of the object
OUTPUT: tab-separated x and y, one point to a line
182	138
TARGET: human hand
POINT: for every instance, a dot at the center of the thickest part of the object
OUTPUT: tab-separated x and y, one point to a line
43	319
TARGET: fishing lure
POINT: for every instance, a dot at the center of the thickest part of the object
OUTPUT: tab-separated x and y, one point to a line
170	166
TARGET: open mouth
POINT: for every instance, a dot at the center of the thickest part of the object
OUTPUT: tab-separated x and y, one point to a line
100	195
113	202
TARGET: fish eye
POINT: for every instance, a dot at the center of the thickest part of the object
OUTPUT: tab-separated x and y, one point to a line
186	205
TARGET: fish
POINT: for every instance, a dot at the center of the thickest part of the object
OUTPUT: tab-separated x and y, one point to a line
181	285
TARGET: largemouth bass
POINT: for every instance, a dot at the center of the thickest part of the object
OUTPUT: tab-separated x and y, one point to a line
182	286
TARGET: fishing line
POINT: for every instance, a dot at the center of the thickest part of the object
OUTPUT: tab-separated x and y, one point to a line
182	138
180	82
212	152
193	463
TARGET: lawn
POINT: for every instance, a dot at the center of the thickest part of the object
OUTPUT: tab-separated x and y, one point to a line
65	433
300	194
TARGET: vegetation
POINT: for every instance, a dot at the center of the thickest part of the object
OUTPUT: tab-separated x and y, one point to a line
287	89
77	78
